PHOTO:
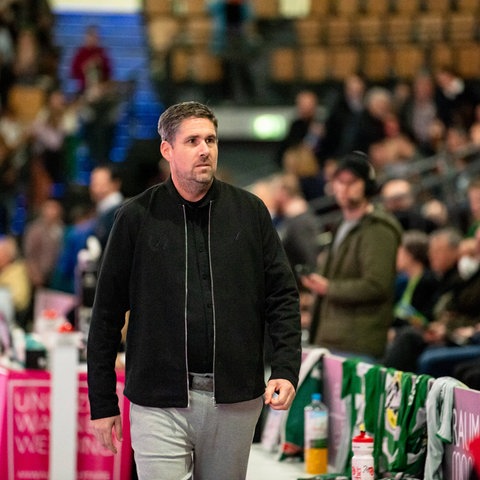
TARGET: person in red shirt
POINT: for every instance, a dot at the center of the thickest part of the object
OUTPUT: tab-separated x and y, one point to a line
91	64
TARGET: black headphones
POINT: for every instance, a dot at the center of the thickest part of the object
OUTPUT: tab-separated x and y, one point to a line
371	187
358	161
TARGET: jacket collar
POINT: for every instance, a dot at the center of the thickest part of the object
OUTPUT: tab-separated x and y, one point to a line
211	195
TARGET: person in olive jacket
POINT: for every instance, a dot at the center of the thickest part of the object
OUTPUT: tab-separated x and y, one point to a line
198	265
356	287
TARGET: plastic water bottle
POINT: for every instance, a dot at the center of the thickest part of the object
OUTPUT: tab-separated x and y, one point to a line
316	436
47	325
363	467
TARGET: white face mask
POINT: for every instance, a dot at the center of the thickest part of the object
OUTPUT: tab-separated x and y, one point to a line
467	266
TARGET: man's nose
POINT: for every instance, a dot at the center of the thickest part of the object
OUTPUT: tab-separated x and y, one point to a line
204	149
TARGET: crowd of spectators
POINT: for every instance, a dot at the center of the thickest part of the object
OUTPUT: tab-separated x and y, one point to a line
46	211
42	128
421	137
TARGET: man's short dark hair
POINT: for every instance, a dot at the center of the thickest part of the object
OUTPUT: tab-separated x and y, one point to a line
358	163
173	116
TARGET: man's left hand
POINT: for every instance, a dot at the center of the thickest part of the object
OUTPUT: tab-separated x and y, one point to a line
279	394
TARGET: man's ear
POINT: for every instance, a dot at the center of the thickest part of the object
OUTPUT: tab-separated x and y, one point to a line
165	150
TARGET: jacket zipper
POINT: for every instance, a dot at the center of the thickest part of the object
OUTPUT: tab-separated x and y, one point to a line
210	206
186	300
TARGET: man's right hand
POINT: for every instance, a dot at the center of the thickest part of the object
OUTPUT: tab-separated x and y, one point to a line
105	429
316	283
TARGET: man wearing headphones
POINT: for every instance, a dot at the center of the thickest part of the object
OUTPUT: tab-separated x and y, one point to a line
355	286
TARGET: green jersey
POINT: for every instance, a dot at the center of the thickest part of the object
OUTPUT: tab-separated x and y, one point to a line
396	416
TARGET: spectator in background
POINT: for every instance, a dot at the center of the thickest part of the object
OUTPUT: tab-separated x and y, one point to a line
409	343
459	319
14	277
42	243
37	56
9	176
443	254
474	130
328	172
91	63
15	156
455	99
393	154
263	188
378	108
44	20
35	63
26	65
98	106
4	220
415	305
473	195
468	257
81	225
466	214
436	211
49	133
401	94
99	112
343	121
16	135
355	288
306	128
437	132
398	198
300	160
419	112
299	227
7	55
15	181
457	155
105	191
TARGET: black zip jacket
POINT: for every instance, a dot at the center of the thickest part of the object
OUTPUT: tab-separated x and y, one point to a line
144	270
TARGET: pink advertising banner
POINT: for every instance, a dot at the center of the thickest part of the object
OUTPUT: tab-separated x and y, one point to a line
332	388
25	431
465	426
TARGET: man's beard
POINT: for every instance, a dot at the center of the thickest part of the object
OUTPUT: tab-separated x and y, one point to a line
354	203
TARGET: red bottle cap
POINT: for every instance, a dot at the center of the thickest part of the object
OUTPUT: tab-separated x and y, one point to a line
65	327
363	437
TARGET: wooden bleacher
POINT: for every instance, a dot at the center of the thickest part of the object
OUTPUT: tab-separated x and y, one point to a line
386	40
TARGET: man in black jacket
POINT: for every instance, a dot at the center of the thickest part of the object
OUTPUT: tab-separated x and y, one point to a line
200	268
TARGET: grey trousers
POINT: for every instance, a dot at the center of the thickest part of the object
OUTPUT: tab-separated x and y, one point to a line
204	441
